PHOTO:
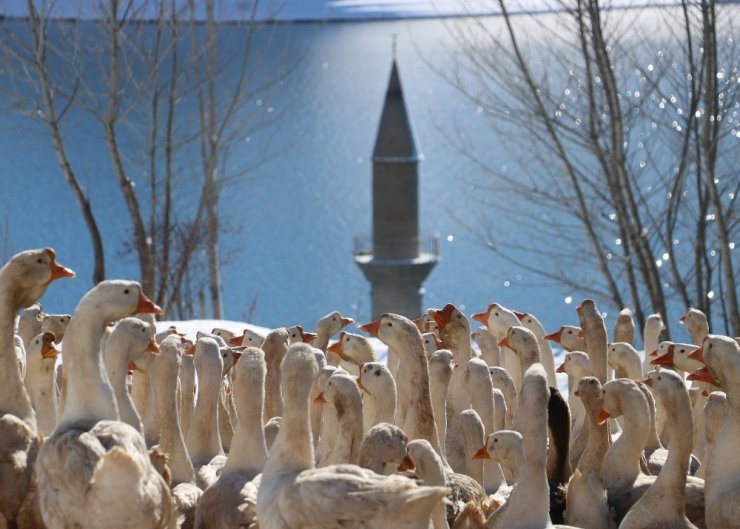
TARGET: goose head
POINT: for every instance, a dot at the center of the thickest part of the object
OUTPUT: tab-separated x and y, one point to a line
296	334
42	351
31	320
617	395
353	348
576	364
374	378
484	339
590	392
503	446
332	323
208	360
250	372
248	338
394	330
420	456
620	355
425	323
135	337
383	448
624	327
720	354
453	325
298	370
27	274
342	391
497	319
569	337
56	324
502	379
696	323
116	298
669	386
431	343
523	342
655	324
677	355
441	365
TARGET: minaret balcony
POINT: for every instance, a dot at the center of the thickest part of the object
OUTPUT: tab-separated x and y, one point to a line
428	252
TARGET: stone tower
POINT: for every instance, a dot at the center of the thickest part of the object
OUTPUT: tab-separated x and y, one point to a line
398	261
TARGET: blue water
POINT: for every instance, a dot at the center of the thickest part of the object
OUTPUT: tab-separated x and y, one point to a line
292	220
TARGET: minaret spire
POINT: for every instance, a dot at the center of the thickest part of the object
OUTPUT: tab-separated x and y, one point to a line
396	264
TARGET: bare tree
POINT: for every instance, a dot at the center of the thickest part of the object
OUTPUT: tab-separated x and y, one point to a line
139	69
621	137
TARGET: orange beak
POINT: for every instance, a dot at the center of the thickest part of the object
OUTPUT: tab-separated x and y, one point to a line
698	355
703	375
439	344
152	347
320	398
336	347
520	315
555	337
347	321
236	340
560	369
47	349
147	306
504	342
580	335
705	394
482	453
190	351
654	353
603	416
682	319
648	381
309	337
406	464
371	328
58	271
481	317
666	359
443	317
359	383
419	322
132	367
237	355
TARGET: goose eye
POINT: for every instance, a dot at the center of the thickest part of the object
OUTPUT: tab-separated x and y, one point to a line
495	313
334	319
570	332
377	373
40	260
390	324
658	378
495	440
459	316
347	340
37	342
529	321
127	291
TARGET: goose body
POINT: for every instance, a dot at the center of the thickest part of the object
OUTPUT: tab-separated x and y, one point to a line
294	495
106	455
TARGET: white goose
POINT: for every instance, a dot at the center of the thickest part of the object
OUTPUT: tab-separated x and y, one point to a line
654	325
454	329
383	448
624	327
490	352
107	455
577	365
130	339
203	439
505	448
501	380
421	457
379	388
533	324
498	320
23	280
326	327
663	504
594	334
164	375
570	338
294	495
232	500
587	501
341	391
720	354
354	350
41	380
441	366
624	360
401	334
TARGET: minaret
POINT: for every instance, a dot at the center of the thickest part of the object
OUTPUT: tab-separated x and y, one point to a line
397	264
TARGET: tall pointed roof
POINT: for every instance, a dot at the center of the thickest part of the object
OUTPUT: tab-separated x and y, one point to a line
395	140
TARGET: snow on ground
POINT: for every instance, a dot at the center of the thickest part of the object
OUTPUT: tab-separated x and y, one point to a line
191	327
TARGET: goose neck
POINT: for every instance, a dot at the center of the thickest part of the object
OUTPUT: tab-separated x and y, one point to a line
14	398
89	395
292	451
171	439
248	448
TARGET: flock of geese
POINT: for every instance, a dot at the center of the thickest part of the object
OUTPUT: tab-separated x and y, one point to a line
139	429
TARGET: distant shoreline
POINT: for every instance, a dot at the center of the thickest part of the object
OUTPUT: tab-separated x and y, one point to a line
380	17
